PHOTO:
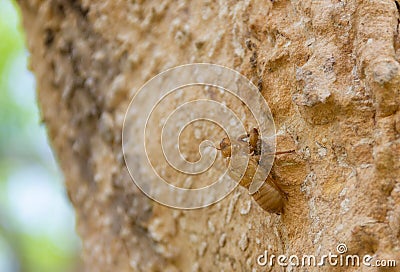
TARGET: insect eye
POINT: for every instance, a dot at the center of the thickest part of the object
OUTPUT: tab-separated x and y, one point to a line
225	143
225	146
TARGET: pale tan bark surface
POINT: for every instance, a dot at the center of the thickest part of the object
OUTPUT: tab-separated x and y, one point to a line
330	73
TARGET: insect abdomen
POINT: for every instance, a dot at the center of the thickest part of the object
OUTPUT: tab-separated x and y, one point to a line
268	197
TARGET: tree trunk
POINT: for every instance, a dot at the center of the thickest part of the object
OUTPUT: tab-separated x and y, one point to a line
329	71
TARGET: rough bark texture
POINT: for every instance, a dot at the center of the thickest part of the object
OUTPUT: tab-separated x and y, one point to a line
330	73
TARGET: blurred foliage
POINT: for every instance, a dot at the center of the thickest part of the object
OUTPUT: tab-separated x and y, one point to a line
36	219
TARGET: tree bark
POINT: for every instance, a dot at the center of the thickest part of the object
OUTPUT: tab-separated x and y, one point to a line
330	73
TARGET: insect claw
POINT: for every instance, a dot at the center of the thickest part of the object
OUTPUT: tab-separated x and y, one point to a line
285	152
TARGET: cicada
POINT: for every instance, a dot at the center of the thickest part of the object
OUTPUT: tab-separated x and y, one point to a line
269	196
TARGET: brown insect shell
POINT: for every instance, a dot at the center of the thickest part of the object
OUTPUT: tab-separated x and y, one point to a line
269	197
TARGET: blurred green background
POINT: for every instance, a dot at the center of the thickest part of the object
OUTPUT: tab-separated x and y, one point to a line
37	230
